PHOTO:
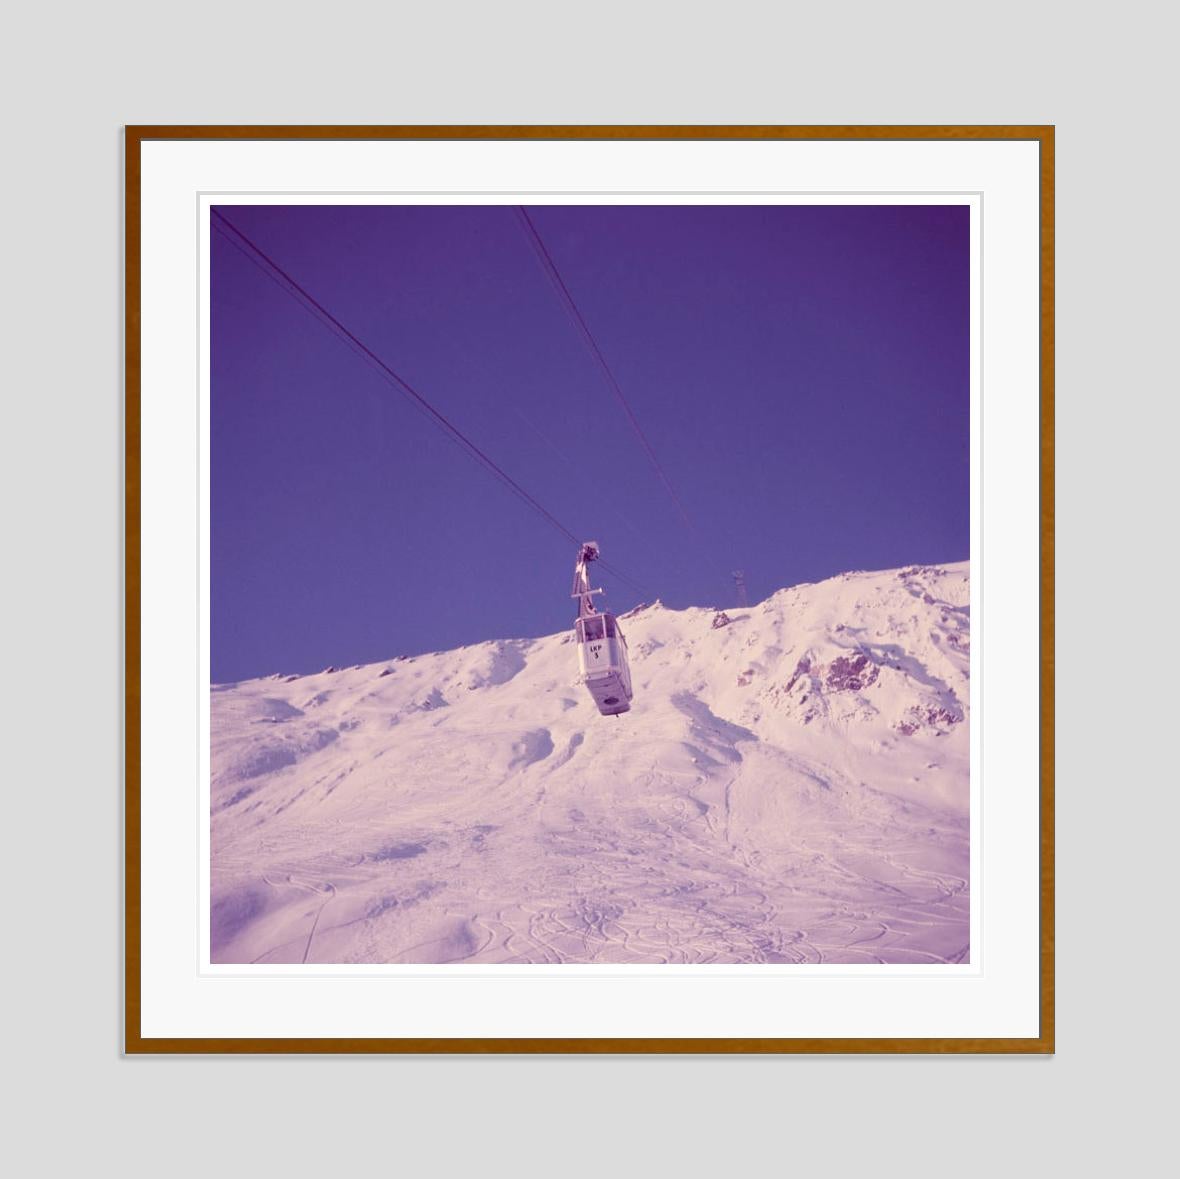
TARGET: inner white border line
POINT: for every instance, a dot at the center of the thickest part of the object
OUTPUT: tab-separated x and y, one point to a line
538	972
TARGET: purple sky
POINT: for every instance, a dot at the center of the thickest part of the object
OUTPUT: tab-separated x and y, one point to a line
801	373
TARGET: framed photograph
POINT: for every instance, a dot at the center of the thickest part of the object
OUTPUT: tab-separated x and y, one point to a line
589	589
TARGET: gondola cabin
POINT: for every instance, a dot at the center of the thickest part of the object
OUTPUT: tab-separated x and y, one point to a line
602	650
602	661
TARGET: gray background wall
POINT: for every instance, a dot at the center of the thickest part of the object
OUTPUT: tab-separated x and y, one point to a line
75	75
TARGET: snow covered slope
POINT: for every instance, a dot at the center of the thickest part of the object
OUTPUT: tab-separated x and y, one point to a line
791	785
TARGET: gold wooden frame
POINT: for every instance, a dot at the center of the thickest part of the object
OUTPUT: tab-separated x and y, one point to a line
135	1042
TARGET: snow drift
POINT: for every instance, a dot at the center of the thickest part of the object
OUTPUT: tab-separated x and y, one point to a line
791	785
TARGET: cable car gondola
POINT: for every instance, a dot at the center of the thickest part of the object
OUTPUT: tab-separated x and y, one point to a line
602	649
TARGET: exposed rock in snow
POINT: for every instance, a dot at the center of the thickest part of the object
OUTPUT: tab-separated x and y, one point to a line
794	789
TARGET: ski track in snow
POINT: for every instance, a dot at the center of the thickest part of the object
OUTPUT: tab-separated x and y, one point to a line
790	786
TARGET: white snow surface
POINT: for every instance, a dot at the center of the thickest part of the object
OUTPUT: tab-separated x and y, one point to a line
790	786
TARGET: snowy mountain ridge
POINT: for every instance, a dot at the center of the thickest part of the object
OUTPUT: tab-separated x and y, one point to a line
791	785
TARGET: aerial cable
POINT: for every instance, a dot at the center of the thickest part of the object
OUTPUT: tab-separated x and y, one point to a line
579	322
271	268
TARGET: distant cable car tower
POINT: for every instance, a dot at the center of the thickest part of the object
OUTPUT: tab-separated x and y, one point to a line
602	649
739	579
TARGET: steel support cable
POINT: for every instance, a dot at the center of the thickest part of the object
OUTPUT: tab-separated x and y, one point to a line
579	322
274	271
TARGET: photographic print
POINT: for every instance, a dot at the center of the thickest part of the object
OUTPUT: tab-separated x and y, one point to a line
590	583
